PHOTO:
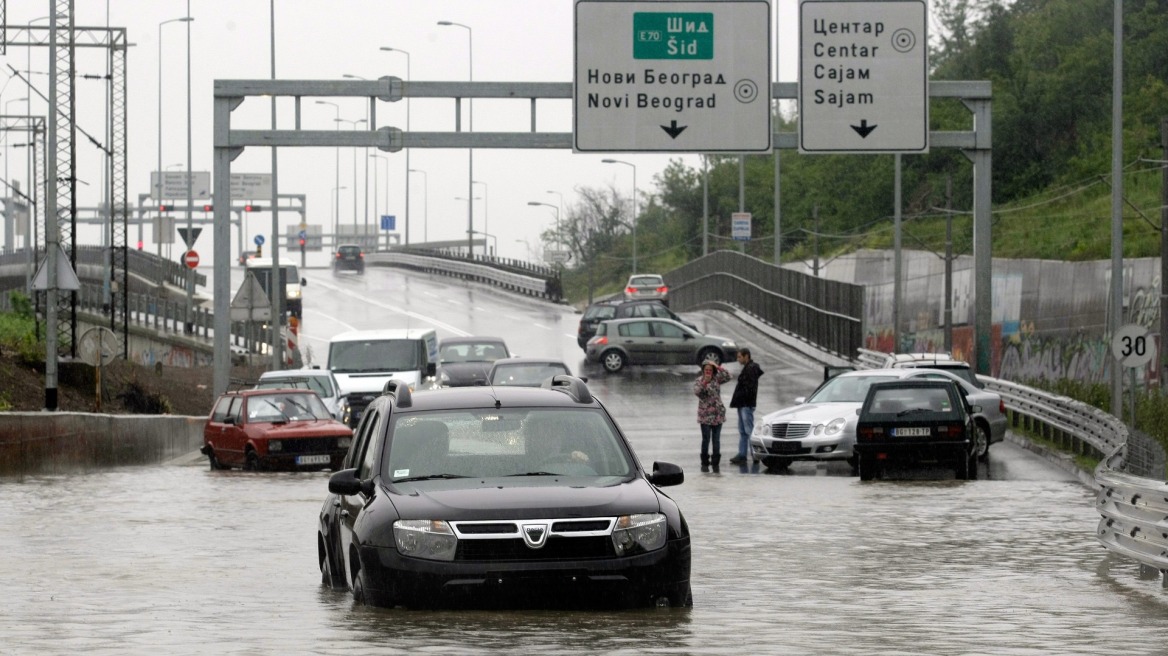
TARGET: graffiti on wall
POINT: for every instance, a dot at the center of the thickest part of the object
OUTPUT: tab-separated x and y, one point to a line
1074	346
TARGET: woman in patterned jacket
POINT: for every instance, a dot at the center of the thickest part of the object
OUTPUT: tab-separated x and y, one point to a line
711	411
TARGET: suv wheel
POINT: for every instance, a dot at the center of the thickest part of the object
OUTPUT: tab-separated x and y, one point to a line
613	361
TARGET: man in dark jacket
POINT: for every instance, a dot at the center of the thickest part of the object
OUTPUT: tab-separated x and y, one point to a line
745	398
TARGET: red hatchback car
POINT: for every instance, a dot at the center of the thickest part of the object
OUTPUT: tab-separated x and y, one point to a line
288	429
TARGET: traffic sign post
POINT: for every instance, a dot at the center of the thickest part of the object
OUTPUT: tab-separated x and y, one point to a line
191	259
863	76
686	76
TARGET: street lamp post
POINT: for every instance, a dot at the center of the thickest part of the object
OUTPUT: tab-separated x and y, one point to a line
375	159
557	209
426	194
157	192
634	221
471	233
407	227
354	124
336	169
368	124
486	212
470	121
336	199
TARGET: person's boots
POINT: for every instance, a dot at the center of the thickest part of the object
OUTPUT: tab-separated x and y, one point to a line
714	462
705	463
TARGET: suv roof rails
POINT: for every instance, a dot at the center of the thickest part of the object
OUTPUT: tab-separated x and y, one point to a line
237	384
400	391
570	385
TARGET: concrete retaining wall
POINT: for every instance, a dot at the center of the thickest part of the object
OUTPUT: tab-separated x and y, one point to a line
60	442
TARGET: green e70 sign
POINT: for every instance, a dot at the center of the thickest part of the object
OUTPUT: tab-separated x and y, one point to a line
671	35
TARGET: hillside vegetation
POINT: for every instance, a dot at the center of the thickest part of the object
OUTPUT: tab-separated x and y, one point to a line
1049	62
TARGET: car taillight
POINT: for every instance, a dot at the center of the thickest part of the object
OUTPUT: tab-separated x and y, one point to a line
1001	406
950	429
630	290
868	432
600	340
662	289
361	256
338	256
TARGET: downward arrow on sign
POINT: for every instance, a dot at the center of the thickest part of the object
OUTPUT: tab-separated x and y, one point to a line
863	129
672	130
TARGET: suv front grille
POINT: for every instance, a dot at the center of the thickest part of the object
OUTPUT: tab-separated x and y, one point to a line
567	539
790	431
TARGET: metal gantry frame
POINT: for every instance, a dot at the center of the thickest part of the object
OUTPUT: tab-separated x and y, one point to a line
69	37
229	143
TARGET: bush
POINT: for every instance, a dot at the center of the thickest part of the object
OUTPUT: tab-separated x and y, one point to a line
139	401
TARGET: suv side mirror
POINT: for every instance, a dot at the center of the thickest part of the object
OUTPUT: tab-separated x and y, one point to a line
346	483
304	282
666	474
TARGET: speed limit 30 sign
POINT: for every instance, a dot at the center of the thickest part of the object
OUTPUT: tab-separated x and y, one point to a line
1132	346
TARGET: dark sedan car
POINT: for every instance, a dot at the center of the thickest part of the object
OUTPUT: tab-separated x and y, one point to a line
349	257
916	421
502	497
464	361
289	429
526	372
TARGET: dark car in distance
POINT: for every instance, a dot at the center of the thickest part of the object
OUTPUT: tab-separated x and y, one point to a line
619	309
914	421
285	429
464	361
501	497
349	257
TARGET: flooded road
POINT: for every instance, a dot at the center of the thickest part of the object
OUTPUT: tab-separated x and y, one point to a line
177	559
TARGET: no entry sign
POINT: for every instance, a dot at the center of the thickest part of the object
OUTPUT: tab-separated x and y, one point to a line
191	259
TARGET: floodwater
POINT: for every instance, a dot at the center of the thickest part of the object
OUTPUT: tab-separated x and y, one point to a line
178	559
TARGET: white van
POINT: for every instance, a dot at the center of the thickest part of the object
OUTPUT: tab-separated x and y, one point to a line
364	360
262	268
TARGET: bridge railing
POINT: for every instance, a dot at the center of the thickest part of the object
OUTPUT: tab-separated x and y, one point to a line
511	275
1132	499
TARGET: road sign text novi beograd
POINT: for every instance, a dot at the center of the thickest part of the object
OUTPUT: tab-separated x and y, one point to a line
686	76
863	76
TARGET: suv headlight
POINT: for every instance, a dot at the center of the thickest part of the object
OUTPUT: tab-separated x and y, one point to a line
638	533
293	292
762	428
425	538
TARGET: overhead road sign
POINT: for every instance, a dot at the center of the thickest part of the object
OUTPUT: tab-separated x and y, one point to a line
683	76
863	76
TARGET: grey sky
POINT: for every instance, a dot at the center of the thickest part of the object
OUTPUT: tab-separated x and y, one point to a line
522	40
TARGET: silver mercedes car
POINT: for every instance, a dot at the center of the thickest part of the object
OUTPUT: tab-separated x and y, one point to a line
823	425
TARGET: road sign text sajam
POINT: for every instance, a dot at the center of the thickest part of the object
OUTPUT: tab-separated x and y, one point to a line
863	76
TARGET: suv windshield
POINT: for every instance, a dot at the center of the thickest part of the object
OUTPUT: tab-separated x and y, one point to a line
374	355
478	443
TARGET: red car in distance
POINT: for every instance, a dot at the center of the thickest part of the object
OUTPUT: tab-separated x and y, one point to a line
274	429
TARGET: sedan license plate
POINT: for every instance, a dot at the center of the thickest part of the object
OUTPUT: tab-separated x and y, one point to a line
912	431
313	460
786	447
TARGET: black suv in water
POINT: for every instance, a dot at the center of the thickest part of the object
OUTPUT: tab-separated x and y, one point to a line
617	309
349	257
501	497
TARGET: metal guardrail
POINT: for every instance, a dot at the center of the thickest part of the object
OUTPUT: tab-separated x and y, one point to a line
1134	508
511	275
1134	521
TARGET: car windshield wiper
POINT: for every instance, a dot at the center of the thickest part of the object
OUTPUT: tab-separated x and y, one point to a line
427	477
912	410
535	473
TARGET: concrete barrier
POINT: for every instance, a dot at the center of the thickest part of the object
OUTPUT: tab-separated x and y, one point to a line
61	442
